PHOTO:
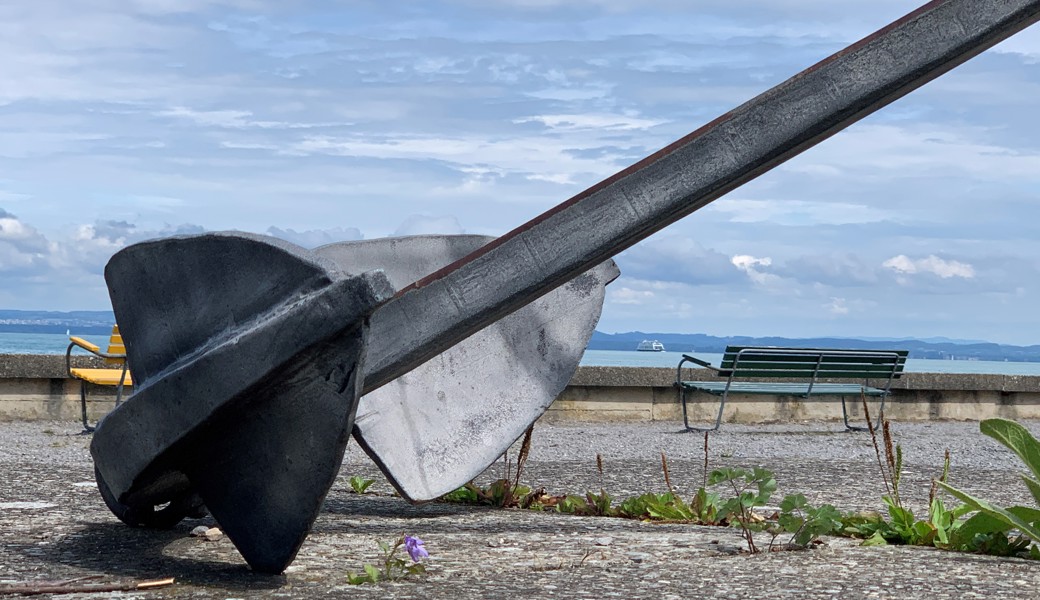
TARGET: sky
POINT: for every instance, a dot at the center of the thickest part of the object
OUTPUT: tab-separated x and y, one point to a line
320	121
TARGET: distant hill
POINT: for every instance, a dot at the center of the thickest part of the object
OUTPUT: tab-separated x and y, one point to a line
44	321
935	349
101	321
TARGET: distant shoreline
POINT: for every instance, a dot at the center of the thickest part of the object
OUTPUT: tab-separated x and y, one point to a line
918	349
670	360
49	329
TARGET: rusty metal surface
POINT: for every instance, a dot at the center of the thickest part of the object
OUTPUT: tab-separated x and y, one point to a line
553	248
440	425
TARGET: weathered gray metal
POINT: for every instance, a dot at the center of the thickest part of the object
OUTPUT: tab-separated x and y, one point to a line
223	366
440	425
445	307
247	354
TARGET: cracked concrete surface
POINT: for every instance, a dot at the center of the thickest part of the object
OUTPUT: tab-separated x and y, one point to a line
54	526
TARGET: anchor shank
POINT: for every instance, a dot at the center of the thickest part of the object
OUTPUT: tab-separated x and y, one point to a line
444	308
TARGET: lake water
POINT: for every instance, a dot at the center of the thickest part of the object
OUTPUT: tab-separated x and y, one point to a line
632	358
43	343
55	343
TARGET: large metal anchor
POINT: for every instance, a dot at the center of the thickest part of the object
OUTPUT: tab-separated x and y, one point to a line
252	354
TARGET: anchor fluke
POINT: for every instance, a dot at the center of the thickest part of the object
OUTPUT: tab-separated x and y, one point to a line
246	397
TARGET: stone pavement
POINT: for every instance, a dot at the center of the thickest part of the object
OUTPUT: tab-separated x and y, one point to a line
54	526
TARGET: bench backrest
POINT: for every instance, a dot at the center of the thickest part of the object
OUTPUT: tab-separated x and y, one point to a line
826	363
115	346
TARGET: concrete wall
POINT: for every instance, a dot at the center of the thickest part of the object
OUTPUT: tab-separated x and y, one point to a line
36	387
625	393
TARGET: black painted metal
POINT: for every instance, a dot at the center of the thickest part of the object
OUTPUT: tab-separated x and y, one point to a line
251	352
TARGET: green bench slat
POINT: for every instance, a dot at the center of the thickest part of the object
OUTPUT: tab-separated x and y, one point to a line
807	364
789	363
808	373
810	365
781	389
793	352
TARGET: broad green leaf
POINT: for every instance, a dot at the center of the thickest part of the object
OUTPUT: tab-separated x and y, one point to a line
359	484
938	515
789	522
765	490
372	572
793	502
1034	487
1017	438
357	579
979	523
1027	514
728	474
825	520
875	540
941	536
924	532
760	474
1005	515
826	511
902	518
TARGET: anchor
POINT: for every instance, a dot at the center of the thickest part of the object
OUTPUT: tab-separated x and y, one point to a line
254	356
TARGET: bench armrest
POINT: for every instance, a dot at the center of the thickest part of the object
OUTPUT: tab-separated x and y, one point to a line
687	358
82	343
694	359
76	342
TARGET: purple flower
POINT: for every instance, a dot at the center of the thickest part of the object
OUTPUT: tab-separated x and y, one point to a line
415	549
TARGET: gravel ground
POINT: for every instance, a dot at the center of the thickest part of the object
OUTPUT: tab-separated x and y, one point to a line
54	526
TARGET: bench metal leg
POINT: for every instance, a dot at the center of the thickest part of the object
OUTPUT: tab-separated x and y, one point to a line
845	415
83	406
686	422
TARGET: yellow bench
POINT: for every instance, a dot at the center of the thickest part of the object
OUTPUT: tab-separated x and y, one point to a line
119	376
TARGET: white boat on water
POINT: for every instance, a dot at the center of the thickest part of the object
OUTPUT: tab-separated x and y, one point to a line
650	346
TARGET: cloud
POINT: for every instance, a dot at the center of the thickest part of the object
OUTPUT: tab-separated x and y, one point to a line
313	238
429	225
23	250
798	212
627	295
16	233
678	259
591	121
123	116
839	269
755	268
930	264
838	306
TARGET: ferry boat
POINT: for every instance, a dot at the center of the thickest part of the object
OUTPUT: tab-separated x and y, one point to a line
650	346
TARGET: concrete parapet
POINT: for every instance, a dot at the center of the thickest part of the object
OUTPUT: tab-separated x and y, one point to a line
639	393
36	387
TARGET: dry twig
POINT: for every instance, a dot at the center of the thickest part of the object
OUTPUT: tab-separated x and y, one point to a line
67	587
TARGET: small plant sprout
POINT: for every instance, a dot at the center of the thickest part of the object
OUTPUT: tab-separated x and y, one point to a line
973	526
359	484
394	567
992	523
740	508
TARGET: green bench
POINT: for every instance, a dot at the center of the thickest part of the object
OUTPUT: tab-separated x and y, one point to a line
740	363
